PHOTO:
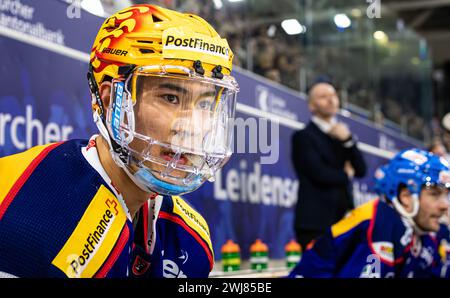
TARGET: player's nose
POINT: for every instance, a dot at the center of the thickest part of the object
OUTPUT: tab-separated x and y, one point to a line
443	205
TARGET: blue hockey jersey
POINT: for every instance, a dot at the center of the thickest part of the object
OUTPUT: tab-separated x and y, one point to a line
422	259
373	241
443	240
59	217
172	241
62	216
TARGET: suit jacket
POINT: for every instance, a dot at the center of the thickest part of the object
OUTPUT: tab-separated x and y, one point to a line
325	193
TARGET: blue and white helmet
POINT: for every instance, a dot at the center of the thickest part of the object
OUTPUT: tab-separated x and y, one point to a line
380	180
412	168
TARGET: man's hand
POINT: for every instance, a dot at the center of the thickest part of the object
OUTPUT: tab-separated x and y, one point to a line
340	131
349	170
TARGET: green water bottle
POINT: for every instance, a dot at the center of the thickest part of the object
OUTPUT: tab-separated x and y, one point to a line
293	253
231	256
259	255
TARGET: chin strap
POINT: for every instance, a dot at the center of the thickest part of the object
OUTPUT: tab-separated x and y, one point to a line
142	186
409	216
163	187
399	207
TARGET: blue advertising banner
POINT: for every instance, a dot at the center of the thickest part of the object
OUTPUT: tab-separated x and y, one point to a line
44	98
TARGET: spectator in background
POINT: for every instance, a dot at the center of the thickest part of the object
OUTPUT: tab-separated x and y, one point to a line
240	52
437	147
325	158
264	55
273	74
289	66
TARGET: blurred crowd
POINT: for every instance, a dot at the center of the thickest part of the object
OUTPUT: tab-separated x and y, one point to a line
260	48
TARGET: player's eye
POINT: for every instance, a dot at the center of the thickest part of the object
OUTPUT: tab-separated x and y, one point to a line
171	98
204	104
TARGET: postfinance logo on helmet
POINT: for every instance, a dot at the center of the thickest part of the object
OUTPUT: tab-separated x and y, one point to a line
184	43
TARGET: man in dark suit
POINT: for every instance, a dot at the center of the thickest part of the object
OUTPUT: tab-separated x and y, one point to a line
326	158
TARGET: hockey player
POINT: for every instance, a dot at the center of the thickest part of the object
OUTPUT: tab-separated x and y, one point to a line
163	100
394	236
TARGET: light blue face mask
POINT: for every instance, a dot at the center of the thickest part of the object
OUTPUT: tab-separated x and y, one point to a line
145	177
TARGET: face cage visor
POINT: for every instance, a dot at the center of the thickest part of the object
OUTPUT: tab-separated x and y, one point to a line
176	125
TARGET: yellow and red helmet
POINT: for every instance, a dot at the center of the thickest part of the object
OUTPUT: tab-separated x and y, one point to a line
169	121
151	35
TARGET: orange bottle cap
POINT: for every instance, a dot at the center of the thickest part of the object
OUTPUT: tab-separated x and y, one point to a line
258	245
293	246
230	247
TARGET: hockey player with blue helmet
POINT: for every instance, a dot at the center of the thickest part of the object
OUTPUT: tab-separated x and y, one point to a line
396	235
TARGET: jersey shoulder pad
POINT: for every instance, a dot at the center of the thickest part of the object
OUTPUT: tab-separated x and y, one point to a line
355	218
189	218
388	225
18	167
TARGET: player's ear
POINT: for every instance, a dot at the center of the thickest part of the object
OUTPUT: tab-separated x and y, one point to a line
105	93
405	198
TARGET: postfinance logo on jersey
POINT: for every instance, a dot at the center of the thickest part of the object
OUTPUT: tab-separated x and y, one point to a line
94	237
192	218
